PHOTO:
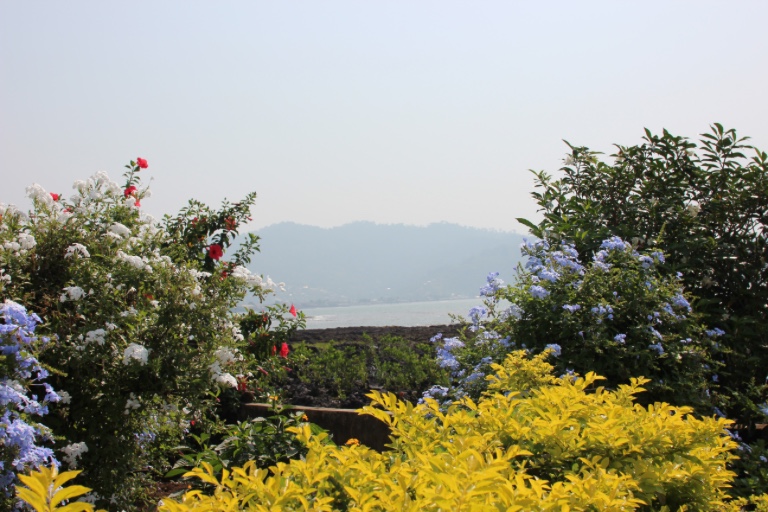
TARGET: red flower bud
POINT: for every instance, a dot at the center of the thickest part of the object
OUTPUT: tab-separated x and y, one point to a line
130	191
142	163
55	196
284	350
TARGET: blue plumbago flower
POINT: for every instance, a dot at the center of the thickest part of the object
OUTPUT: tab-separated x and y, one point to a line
620	338
655	333
602	311
715	378
686	341
513	311
646	261
657	347
679	301
556	349
548	274
452	343
659	256
474	376
571	307
505	343
476	313
538	292
764	409
492	286
446	360
615	243
435	392
719	413
17	328
437	337
714	333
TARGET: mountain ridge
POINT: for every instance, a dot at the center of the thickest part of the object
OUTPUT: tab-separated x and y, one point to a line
364	262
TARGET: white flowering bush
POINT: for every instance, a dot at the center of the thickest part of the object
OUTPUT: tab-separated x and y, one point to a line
616	315
139	313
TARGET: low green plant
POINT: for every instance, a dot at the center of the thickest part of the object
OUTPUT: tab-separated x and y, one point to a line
392	363
264	440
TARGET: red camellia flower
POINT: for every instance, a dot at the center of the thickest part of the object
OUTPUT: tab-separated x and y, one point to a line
55	196
284	350
142	163
215	252
130	191
292	310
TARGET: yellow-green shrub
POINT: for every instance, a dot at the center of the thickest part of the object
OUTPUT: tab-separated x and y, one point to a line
532	442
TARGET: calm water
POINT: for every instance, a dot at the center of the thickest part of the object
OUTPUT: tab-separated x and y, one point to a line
407	314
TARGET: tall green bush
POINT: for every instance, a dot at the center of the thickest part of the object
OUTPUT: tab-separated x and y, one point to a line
706	206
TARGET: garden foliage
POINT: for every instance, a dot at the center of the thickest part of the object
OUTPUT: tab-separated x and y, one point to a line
617	315
531	442
139	315
706	207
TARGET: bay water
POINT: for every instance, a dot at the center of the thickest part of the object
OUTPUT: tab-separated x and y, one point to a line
405	314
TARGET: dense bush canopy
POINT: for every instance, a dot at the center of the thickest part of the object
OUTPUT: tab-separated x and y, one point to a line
706	207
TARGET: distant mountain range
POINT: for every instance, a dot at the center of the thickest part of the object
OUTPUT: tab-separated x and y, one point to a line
364	262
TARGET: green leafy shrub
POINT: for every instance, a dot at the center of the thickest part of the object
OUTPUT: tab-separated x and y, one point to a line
617	315
392	363
265	441
532	442
705	206
140	319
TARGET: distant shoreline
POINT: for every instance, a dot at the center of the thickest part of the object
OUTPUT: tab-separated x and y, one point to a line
346	334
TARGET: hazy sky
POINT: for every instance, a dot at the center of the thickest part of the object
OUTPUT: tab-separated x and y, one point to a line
334	111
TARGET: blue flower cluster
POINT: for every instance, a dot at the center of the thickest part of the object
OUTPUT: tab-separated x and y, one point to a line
19	436
493	285
549	265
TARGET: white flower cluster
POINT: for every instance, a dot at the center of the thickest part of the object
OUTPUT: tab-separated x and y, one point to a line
73	452
77	251
24	243
252	279
97	336
72	293
135	352
90	189
131	404
224	356
39	194
141	263
120	230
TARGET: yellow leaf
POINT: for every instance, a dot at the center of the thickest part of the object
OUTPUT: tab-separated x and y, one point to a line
68	493
38	482
37	501
62	478
77	506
